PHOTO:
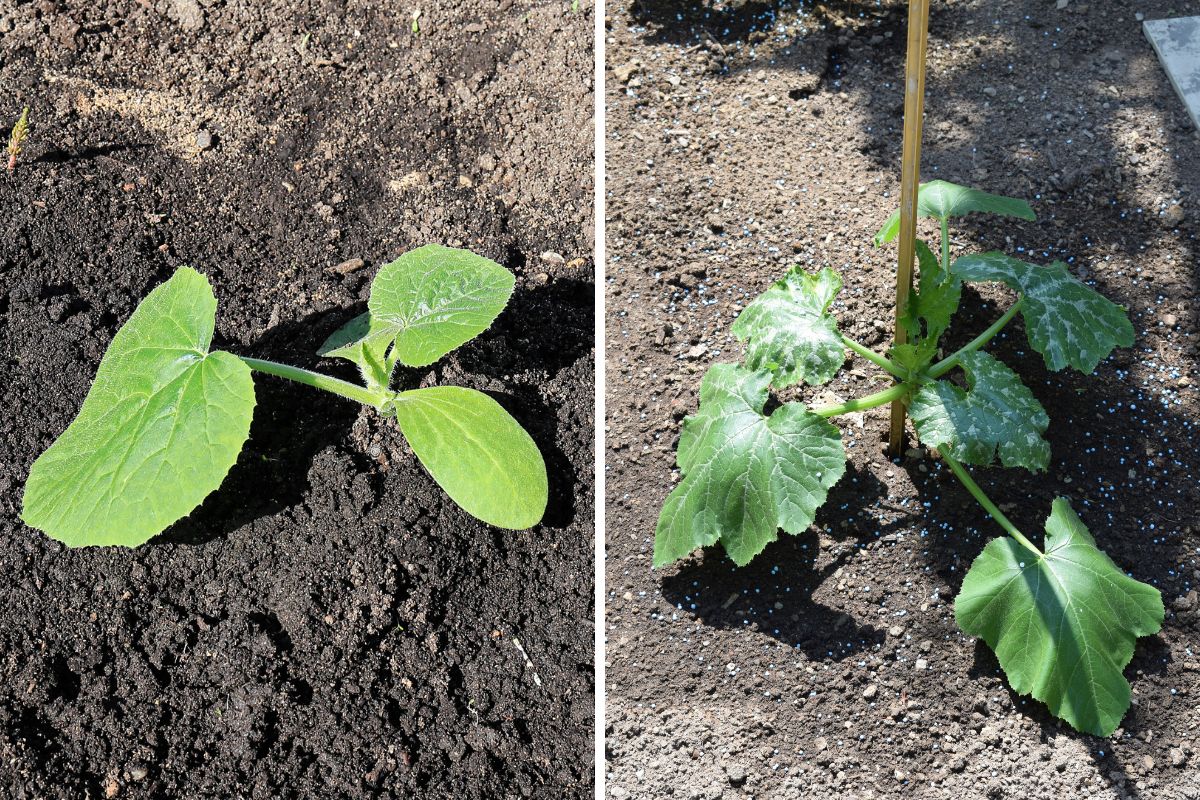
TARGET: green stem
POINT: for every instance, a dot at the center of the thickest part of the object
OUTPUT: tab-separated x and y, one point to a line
946	245
863	403
351	391
961	473
949	362
884	363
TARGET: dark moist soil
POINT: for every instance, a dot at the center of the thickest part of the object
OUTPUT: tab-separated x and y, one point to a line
328	623
744	137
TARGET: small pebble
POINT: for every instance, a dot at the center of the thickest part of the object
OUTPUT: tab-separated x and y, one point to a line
204	140
870	691
347	266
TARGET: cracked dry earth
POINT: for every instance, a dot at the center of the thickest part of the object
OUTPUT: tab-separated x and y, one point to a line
327	624
743	137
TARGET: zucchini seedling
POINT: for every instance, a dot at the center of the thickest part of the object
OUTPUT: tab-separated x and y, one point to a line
1063	618
167	416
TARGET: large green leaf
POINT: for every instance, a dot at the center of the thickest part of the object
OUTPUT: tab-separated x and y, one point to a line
431	300
365	348
162	424
746	475
998	413
789	331
1062	624
477	453
1066	321
942	200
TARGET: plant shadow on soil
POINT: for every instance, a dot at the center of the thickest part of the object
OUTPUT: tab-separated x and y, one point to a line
708	588
292	422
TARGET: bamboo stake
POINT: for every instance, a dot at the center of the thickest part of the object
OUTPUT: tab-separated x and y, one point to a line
910	174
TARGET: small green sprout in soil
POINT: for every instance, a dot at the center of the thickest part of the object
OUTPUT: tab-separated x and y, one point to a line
167	416
416	15
1062	618
17	137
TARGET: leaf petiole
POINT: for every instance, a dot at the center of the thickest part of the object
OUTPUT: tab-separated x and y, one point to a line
863	403
961	473
376	398
883	362
946	245
951	361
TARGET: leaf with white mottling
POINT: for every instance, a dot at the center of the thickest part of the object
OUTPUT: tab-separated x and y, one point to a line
1063	625
746	475
999	413
1066	321
789	331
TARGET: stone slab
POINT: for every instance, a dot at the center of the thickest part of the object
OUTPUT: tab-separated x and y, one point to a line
1177	42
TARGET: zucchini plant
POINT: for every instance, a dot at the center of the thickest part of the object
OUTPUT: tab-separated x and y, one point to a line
167	416
1062	618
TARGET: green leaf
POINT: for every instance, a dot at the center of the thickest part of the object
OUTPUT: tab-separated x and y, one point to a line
477	453
162	424
911	357
434	299
746	475
934	302
942	200
366	349
789	331
1063	624
998	413
1066	321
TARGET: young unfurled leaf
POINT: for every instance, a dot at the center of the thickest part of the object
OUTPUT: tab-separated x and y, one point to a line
1066	321
942	200
158	431
1063	624
477	453
746	475
366	349
998	413
934	302
789	331
434	299
912	357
